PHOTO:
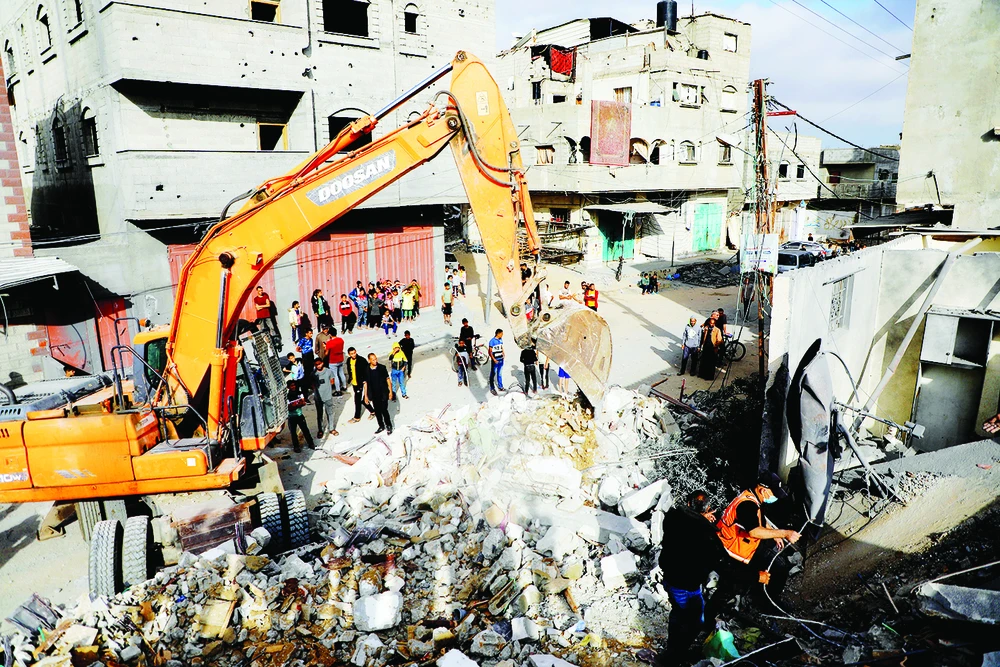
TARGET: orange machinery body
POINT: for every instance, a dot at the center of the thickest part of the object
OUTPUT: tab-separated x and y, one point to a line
56	455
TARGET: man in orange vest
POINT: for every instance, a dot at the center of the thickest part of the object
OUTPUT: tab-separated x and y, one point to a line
742	529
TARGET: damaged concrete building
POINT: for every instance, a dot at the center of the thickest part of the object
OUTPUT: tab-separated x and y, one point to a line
135	124
619	123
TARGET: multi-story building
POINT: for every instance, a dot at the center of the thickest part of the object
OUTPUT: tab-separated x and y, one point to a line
136	122
620	128
860	180
951	125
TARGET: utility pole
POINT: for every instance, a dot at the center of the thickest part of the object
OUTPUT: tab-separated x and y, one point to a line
764	210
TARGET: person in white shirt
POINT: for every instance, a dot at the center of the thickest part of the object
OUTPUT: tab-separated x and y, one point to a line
565	295
690	343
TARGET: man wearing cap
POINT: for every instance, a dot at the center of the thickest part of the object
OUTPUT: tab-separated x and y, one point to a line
754	547
690	344
397	370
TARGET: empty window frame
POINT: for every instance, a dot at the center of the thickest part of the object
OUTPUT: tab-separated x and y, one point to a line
536	92
624	95
265	10
834	178
638	151
730	100
688	152
41	150
800	171
687	93
59	143
272	136
77	6
729	42
840	303
410	17
783	170
725	154
44	29
10	60
88	125
545	154
338	123
347	17
558	99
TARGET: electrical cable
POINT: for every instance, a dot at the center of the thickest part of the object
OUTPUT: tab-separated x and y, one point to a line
865	98
893	15
846	32
861	26
835	136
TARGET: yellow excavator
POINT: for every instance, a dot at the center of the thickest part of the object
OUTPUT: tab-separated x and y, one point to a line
206	394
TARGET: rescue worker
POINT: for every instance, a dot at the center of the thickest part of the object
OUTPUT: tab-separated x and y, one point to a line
754	548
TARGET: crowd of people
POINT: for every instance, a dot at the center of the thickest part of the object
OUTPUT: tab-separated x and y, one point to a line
702	346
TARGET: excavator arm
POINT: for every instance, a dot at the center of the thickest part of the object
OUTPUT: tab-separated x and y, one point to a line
472	118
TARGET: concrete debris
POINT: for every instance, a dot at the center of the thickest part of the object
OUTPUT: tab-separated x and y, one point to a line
482	531
959	603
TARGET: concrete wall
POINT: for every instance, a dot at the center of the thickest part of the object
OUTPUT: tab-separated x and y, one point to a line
952	107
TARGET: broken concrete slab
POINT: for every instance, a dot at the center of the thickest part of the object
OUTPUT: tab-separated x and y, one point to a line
616	569
960	603
378	612
635	503
546	660
558	541
588	522
455	658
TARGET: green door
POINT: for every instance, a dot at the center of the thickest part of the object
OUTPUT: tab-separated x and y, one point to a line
706	234
612	243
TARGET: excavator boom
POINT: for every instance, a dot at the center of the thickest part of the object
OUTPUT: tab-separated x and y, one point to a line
472	118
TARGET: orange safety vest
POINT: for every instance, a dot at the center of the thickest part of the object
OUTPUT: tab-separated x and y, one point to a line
738	542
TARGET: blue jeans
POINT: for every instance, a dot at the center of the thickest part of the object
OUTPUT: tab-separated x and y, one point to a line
386	328
496	368
398	381
687	613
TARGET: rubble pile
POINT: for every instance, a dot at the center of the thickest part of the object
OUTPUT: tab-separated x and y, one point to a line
516	532
712	273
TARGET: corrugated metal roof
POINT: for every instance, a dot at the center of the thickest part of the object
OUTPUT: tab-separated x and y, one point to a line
16	271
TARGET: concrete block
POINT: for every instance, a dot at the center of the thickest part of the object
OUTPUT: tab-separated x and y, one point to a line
378	612
455	658
487	644
617	568
635	503
558	541
494	544
524	628
546	660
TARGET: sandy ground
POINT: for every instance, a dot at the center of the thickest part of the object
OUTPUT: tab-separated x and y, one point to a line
646	335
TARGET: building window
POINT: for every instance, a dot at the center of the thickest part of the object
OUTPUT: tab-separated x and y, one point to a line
729	42
729	99
840	304
688	152
895	176
536	92
10	62
558	99
44	29
834	178
337	125
883	174
410	15
725	154
77	11
783	171
585	149
347	17
265	10
41	153
545	154
60	144
272	136
88	125
686	93
624	95
800	171
638	152
654	155
559	215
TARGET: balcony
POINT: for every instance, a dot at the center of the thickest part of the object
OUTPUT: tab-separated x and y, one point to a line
588	178
875	190
178	184
170	45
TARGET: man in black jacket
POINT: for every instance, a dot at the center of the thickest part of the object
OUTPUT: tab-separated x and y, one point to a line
378	393
690	551
530	361
357	372
406	344
468	334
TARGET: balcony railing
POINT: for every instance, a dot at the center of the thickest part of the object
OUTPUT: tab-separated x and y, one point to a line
874	190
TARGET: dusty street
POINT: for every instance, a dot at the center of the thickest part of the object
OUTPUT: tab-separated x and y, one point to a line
645	330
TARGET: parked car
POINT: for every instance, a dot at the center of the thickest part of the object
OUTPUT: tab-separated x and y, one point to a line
817	250
450	262
789	260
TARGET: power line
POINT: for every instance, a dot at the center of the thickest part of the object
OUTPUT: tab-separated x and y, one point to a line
830	34
861	26
865	97
846	32
836	136
893	15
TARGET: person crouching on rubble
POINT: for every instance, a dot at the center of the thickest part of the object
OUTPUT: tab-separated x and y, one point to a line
690	552
756	561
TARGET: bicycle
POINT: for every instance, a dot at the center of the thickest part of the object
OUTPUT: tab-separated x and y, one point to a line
621	265
732	349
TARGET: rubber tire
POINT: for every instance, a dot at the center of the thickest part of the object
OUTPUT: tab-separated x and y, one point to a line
735	351
269	508
137	551
106	558
88	513
115	509
295	518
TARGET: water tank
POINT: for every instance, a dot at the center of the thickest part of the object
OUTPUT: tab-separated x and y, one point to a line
702	54
666	15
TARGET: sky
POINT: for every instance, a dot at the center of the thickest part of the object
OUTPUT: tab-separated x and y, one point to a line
814	66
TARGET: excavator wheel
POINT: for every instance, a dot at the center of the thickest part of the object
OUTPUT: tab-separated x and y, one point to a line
106	558
295	518
269	508
88	513
137	550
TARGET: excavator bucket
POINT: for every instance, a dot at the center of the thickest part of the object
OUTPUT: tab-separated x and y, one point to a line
579	341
